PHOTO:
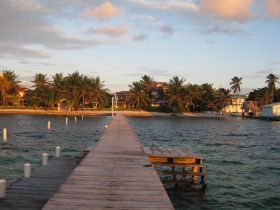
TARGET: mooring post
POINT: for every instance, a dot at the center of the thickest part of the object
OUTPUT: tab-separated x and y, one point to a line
82	117
49	125
3	186
4	135
66	120
27	170
45	159
57	152
75	119
106	126
195	178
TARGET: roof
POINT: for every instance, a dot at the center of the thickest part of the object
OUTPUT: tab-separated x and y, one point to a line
271	105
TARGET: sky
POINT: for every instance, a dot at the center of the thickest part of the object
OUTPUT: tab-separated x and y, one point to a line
204	41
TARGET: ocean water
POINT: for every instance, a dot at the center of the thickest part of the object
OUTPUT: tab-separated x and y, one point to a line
28	138
242	159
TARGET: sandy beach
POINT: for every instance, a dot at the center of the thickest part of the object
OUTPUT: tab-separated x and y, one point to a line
107	113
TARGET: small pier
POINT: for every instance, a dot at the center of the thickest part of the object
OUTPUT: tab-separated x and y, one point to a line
182	161
116	174
33	193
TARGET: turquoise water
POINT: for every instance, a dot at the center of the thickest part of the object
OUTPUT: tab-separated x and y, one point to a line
28	138
242	159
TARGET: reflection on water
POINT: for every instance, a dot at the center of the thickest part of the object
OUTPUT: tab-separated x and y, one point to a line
28	138
242	159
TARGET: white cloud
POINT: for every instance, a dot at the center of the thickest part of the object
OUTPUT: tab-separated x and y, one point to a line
273	8
104	11
228	9
113	32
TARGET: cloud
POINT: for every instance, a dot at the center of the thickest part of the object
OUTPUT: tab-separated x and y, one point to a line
140	37
116	31
25	24
11	51
229	9
225	28
273	8
155	23
167	5
104	11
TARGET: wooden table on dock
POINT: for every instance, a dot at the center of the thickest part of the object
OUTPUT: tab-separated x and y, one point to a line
114	175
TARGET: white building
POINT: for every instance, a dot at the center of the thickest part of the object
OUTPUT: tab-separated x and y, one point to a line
271	112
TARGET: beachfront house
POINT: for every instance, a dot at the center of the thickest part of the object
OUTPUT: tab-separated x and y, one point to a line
236	104
250	109
271	112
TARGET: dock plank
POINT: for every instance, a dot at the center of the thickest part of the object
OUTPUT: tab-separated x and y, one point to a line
114	175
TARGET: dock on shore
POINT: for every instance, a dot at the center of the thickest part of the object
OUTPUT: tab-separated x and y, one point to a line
116	174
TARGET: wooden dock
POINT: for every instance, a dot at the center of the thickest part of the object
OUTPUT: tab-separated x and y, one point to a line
33	193
116	174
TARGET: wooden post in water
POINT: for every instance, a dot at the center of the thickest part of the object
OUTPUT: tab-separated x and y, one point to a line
82	117
112	107
66	120
4	135
45	159
195	178
49	125
57	152
3	186
27	170
75	119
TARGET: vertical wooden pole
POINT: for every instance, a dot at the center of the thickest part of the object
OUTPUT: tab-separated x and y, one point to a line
195	178
49	125
173	170
45	159
4	135
27	170
57	152
3	186
75	119
66	120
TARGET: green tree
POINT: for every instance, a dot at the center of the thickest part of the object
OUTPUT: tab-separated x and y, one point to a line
223	98
147	82
271	81
236	83
9	86
175	93
138	95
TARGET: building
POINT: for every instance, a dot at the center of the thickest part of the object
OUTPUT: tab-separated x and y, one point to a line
124	99
250	109
236	104
271	112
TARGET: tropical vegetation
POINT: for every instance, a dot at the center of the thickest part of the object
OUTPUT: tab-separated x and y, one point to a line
76	91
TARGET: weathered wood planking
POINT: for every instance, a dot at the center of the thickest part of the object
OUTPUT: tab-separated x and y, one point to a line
172	155
33	193
113	176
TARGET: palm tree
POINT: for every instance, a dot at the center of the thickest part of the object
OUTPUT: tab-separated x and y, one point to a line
222	98
147	82
271	81
9	85
72	90
138	96
40	84
97	92
236	83
175	93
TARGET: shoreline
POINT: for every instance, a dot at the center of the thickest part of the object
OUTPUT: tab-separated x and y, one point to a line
108	113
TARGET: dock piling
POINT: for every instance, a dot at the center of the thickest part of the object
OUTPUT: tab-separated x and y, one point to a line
4	135
57	152
45	159
75	119
27	170
66	120
49	125
3	186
